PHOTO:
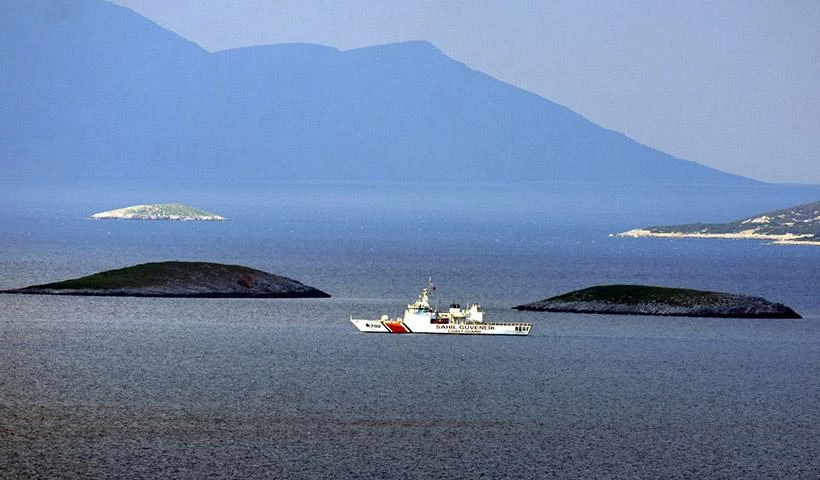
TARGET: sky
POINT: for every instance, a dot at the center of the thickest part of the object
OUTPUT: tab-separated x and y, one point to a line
732	84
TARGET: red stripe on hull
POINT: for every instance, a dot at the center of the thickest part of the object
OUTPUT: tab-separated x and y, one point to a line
396	327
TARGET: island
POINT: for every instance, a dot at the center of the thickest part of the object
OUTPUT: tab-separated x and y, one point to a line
799	225
179	279
158	211
663	301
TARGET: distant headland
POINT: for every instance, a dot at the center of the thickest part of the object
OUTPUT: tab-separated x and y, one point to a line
179	279
662	301
158	211
798	225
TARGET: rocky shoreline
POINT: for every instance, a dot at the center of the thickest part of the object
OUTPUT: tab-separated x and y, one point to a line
661	301
784	239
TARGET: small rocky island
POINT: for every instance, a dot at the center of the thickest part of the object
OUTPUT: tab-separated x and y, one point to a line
158	211
180	279
650	300
798	225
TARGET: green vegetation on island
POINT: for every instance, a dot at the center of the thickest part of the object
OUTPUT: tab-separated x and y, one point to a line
797	225
159	211
652	300
179	279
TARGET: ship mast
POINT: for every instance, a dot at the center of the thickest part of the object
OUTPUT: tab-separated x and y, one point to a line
431	288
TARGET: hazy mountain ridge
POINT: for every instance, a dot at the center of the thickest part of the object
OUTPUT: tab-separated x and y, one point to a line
96	88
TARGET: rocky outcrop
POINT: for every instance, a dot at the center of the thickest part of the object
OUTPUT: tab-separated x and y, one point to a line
159	211
649	300
180	279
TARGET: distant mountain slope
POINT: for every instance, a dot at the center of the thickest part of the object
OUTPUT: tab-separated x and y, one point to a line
94	89
799	224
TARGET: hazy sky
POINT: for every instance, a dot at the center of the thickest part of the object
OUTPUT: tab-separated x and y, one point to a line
734	85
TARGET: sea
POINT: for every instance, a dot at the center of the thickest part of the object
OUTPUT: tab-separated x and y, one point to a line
288	389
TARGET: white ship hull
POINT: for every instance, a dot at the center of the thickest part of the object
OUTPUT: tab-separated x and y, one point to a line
398	326
419	317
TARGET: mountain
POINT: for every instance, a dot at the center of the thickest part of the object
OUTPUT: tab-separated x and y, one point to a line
95	90
799	224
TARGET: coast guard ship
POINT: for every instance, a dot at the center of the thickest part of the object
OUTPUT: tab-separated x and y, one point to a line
420	317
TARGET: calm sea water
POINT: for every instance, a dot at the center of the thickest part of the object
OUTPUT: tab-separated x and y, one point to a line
193	388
